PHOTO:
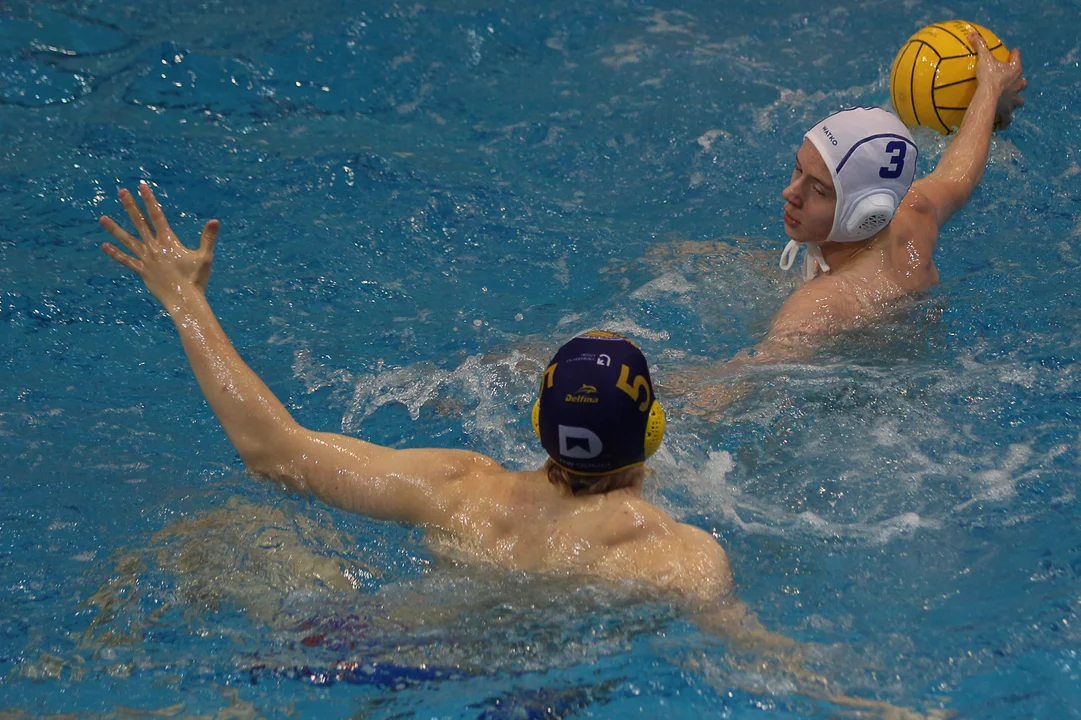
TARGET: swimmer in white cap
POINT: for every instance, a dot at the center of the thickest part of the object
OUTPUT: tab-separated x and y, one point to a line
869	231
853	145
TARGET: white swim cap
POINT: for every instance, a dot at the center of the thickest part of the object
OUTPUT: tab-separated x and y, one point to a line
872	158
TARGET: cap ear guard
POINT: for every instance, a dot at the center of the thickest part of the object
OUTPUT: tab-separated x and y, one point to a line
870	215
536	417
655	428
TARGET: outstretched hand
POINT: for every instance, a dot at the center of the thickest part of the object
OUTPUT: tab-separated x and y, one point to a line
1005	79
166	266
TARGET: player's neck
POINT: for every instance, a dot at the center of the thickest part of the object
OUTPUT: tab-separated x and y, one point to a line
540	476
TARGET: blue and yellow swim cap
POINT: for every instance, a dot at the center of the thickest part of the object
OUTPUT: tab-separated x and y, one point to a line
596	413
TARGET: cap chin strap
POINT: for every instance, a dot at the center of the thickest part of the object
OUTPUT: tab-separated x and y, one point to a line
810	258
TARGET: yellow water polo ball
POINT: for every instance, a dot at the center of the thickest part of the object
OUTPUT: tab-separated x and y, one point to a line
934	75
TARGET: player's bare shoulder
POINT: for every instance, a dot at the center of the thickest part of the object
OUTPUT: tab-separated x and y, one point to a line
707	562
913	236
675	555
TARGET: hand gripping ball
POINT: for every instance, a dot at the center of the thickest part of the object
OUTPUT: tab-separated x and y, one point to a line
934	75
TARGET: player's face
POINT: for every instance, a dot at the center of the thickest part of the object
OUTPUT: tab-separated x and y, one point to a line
810	198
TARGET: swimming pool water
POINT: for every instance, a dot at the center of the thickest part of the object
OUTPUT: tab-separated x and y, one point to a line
419	204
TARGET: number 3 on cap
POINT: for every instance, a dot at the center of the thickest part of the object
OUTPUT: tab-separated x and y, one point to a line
897	160
632	390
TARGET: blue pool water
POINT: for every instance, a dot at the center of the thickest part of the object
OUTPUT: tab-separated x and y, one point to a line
419	203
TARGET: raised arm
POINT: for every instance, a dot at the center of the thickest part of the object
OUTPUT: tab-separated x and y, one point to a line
407	485
960	169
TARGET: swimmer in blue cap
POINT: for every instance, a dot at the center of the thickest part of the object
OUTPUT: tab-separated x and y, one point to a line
869	232
596	415
582	512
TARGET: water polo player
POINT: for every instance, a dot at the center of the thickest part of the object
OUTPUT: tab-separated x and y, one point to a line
869	231
582	512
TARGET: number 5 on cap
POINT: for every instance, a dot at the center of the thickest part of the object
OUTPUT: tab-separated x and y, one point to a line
632	390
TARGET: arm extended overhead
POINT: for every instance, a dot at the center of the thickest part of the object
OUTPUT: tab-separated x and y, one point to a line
406	485
946	189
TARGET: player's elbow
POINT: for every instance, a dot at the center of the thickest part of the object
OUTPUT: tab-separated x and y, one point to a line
269	451
939	199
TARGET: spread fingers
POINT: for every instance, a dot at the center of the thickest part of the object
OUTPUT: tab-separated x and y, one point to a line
209	237
136	215
125	238
123	258
153	208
